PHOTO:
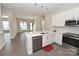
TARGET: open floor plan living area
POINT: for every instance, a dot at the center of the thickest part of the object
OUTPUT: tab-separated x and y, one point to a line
39	29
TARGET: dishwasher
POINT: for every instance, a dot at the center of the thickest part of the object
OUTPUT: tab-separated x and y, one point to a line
37	43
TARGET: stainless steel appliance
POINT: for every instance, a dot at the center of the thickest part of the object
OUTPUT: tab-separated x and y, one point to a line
71	41
37	43
70	22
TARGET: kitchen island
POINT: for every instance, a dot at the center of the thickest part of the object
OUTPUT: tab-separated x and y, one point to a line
37	40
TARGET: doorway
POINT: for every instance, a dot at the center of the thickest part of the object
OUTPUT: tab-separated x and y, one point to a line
6	31
6	27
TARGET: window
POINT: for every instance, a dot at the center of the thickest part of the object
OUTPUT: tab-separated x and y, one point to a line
23	25
31	26
5	25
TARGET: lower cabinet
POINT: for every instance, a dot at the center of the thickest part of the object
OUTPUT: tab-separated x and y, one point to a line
58	38
47	39
37	43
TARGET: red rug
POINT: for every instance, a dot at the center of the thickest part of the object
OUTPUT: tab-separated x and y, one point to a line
48	48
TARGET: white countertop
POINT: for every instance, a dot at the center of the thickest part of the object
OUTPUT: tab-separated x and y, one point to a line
32	34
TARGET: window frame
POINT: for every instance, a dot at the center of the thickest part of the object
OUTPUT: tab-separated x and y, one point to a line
23	25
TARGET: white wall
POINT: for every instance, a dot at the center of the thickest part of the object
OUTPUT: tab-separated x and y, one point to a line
38	24
13	25
12	20
48	23
2	41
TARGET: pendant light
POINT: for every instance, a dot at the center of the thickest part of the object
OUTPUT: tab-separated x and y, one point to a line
43	18
34	25
35	10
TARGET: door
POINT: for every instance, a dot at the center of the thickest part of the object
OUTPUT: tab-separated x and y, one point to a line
58	38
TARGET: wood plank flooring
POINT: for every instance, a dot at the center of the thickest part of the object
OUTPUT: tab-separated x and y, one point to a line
17	47
14	47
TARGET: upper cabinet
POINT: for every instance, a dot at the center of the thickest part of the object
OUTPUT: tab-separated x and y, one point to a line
72	14
59	19
76	13
69	14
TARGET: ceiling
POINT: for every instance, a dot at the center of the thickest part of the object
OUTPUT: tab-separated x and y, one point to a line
28	9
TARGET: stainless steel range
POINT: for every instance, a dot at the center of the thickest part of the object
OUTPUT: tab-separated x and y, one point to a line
71	41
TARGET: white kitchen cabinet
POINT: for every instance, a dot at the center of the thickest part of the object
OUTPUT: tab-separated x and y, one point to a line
58	35
59	19
72	14
48	38
76	13
58	38
69	14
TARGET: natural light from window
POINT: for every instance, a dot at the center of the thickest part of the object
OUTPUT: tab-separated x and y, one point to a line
31	24
23	25
5	25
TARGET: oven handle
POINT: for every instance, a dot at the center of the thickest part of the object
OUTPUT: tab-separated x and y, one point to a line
72	37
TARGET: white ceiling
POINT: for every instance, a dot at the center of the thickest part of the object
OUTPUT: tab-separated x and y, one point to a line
27	9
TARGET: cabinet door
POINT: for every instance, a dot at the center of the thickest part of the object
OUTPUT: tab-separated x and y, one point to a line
69	14
58	38
44	40
48	39
76	13
58	19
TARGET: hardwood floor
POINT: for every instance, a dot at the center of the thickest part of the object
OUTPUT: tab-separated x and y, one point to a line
17	47
14	47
